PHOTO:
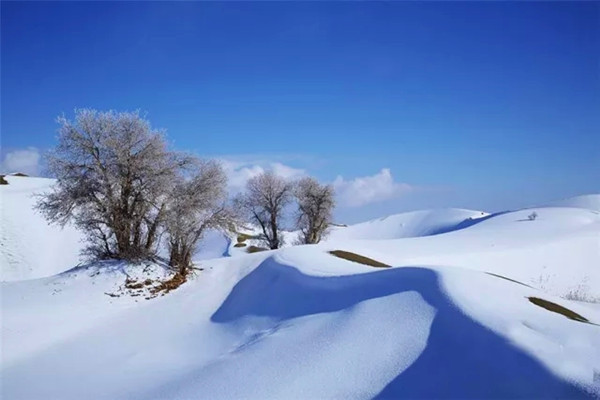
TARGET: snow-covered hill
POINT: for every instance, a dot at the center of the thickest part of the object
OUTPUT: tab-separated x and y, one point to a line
406	225
29	246
589	201
473	306
558	252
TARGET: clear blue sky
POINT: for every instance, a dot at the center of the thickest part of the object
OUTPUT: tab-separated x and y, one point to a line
488	105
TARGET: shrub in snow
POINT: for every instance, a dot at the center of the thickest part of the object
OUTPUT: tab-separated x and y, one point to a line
532	216
315	206
196	204
263	203
118	181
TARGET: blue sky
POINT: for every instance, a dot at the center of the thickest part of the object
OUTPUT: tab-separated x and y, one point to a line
485	105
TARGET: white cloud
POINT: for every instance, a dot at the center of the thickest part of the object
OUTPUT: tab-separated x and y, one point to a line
287	172
26	161
369	189
239	172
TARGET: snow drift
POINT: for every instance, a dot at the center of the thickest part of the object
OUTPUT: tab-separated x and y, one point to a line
590	202
30	247
406	225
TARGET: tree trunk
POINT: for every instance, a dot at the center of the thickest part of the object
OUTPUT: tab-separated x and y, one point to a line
153	229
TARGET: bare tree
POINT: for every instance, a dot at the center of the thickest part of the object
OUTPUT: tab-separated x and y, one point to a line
196	204
315	206
264	202
113	175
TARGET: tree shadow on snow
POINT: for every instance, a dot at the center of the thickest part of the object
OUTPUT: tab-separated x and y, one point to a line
463	359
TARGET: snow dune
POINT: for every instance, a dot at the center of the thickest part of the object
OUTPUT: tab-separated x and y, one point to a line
256	327
450	319
559	252
590	202
405	225
30	247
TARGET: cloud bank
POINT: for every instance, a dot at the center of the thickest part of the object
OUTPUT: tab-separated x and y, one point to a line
350	193
365	190
239	172
23	160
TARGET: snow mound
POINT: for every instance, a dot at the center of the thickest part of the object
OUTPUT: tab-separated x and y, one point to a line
297	323
30	247
589	201
406	225
559	252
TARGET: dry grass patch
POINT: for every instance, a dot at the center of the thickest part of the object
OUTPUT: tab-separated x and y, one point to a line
170	284
131	284
255	249
508	279
357	258
239	244
550	306
149	288
242	237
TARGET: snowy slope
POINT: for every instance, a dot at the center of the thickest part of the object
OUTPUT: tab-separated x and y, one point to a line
405	225
590	202
449	319
558	252
258	327
30	247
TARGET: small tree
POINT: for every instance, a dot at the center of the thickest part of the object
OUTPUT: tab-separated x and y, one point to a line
315	207
196	204
113	175
264	202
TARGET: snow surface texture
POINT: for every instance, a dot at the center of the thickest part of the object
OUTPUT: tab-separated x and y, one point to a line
301	323
29	246
411	224
590	201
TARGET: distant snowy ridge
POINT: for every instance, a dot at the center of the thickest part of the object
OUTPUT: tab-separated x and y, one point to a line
406	225
588	201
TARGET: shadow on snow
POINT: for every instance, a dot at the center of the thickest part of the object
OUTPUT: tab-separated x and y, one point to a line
463	359
465	224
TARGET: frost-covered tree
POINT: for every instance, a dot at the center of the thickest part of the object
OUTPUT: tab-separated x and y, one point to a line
315	207
114	173
197	203
263	203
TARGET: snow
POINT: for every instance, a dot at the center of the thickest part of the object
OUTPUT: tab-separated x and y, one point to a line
301	323
405	225
590	202
28	243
